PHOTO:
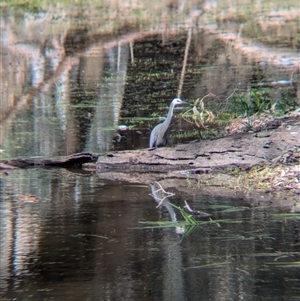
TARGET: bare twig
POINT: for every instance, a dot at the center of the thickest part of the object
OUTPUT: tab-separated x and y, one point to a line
167	194
233	92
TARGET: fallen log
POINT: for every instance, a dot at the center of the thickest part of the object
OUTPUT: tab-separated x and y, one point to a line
71	160
215	167
242	151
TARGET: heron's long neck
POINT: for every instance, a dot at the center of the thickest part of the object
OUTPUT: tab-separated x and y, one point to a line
170	114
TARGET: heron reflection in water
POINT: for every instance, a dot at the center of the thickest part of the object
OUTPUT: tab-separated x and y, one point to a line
158	196
159	134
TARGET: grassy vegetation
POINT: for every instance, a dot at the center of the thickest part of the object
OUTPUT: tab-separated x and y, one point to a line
190	220
259	101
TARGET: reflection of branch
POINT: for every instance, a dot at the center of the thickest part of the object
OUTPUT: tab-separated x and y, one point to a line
131	53
186	52
233	92
189	209
167	194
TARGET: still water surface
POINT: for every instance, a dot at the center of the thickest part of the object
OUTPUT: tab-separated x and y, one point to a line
67	235
77	104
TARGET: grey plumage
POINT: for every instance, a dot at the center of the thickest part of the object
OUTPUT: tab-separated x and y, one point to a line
159	134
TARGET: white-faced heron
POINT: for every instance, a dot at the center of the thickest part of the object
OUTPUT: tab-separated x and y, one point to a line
159	134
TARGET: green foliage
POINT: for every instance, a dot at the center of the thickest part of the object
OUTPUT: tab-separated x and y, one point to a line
188	218
257	101
260	100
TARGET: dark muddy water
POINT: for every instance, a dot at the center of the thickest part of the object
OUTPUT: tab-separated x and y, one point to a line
67	235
